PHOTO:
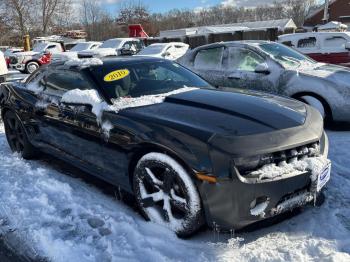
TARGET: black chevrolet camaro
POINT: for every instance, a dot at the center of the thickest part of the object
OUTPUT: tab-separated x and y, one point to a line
191	154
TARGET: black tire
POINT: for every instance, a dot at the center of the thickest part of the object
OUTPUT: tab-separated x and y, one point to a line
31	67
17	137
166	194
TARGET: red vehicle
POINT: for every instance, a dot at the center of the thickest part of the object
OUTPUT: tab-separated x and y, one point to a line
326	47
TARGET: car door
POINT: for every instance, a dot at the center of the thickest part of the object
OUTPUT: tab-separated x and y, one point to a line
241	70
71	129
208	63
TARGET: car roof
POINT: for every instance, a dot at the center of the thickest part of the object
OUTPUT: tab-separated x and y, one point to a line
120	60
312	34
237	43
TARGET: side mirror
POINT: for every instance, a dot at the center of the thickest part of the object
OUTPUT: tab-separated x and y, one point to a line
126	47
262	68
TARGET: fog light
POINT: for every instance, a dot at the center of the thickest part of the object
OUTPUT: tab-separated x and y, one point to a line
259	205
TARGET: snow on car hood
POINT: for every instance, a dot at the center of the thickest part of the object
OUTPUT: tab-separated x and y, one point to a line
333	73
65	56
100	52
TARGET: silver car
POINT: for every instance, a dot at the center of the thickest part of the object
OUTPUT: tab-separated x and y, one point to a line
275	68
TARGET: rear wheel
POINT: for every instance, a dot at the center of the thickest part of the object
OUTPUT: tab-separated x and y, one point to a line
17	137
32	66
166	194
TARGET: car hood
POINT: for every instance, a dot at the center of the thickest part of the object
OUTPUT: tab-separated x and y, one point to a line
204	112
99	51
65	55
336	74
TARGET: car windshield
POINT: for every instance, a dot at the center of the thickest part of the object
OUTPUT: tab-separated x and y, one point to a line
145	78
80	47
39	47
112	43
287	56
152	50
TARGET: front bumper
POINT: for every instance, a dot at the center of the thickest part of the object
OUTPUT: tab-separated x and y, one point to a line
19	67
228	202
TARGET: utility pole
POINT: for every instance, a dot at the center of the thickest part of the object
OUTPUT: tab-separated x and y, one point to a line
326	12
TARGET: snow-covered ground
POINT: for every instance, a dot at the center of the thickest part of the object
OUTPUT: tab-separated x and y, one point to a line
63	218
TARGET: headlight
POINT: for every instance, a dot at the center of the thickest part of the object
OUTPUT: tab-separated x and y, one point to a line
252	162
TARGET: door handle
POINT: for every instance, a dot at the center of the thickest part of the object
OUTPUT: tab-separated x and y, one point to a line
234	77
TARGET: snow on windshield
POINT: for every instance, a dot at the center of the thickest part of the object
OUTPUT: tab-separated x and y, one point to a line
80	47
112	43
288	57
91	97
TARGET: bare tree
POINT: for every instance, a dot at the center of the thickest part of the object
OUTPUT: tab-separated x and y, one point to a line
18	13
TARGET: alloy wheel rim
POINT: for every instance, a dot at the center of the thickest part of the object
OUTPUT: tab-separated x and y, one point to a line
32	68
15	134
162	194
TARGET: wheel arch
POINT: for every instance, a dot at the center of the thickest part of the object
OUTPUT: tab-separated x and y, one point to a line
324	102
146	148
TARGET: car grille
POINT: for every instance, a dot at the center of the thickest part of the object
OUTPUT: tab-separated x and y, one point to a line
13	60
297	153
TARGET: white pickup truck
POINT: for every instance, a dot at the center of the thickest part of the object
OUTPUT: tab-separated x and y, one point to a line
28	62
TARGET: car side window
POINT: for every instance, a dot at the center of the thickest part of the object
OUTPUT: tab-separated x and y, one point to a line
288	43
61	81
209	58
308	42
244	59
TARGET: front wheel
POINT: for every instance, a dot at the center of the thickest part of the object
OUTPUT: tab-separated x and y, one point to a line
17	137
166	194
31	67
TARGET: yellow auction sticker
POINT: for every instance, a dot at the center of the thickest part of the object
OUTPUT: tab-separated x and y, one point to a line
116	75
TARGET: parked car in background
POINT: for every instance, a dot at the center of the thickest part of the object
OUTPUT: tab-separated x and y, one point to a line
171	51
275	68
327	47
114	47
28	62
10	51
189	153
73	53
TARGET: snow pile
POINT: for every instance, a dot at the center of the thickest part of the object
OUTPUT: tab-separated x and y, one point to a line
84	62
106	128
294	167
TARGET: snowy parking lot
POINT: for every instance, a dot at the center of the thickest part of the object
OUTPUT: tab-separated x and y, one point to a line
46	212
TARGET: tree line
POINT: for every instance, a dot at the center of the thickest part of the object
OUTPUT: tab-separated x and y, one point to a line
45	17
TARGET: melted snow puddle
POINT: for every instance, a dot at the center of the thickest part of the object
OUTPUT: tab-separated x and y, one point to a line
65	219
